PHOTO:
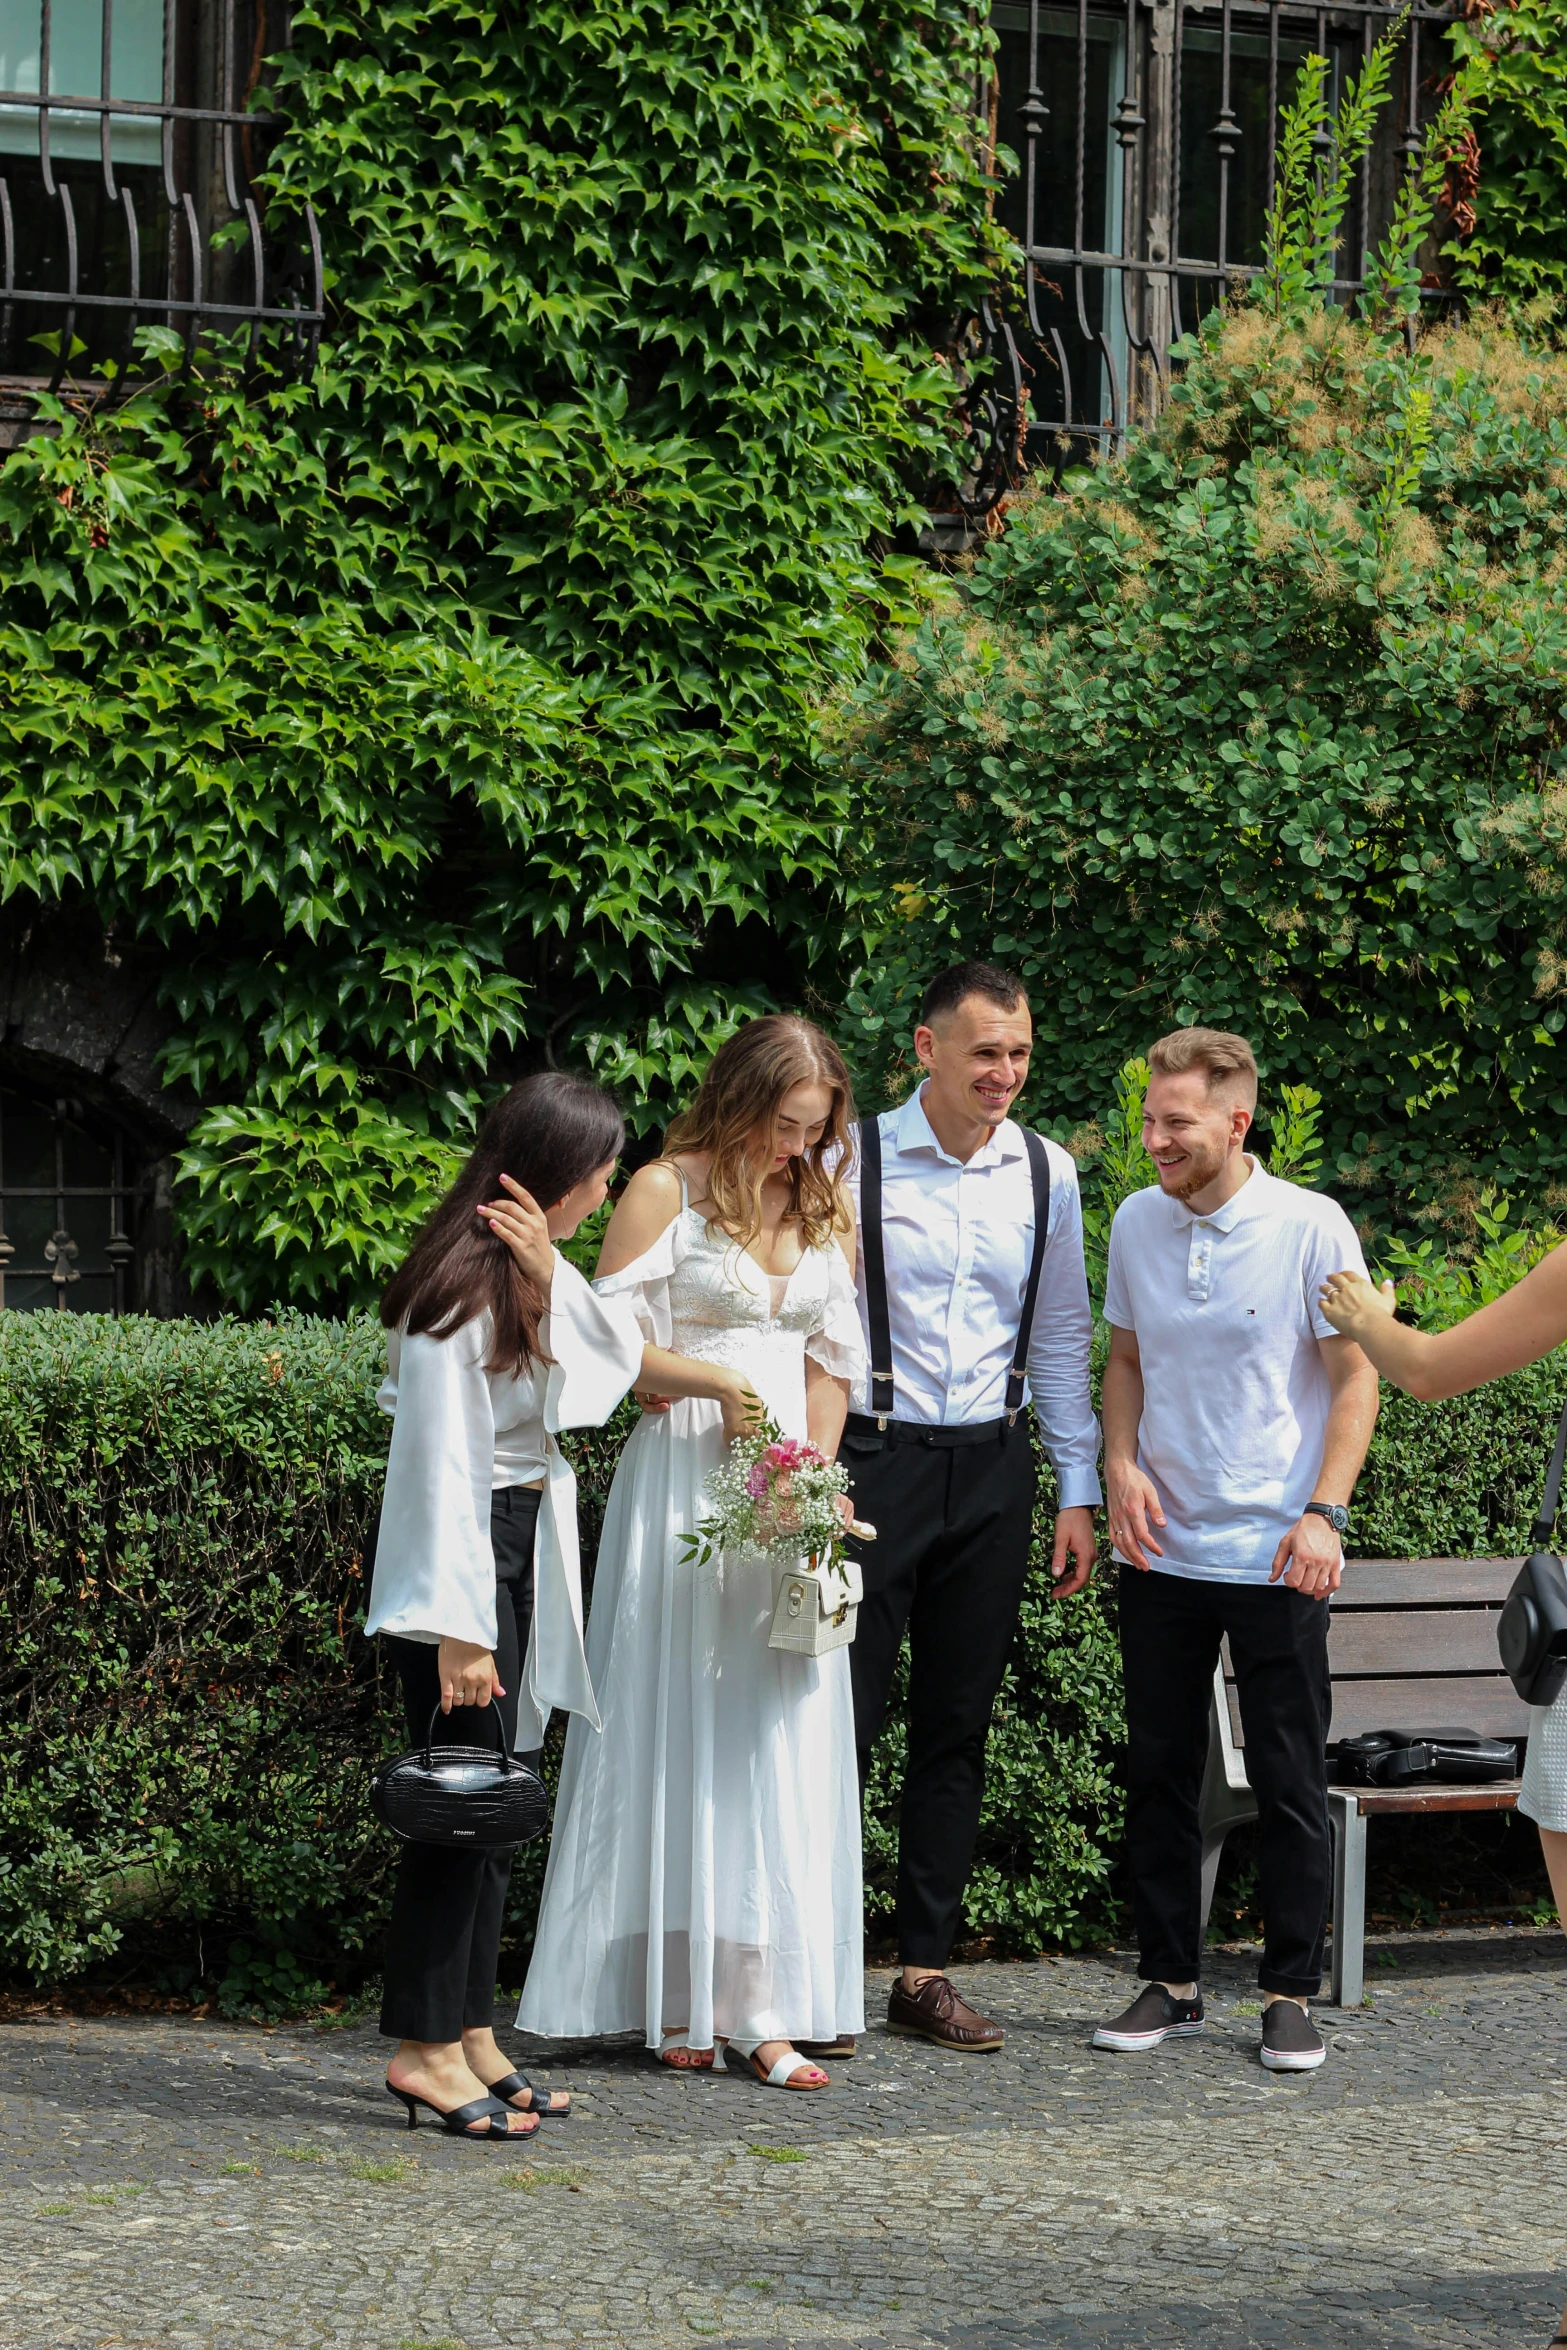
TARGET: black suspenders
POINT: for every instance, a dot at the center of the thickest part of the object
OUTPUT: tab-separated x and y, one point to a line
1039	1170
875	1270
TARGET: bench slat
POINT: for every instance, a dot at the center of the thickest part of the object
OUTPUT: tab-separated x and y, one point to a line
1501	1795
1423	1582
1485	1703
1432	1640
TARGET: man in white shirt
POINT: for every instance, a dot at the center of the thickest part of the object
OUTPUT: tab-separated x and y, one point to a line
939	1448
1236	1421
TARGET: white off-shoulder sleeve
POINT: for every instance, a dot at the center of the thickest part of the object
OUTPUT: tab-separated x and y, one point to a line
644	1283
595	1347
434	1573
839	1345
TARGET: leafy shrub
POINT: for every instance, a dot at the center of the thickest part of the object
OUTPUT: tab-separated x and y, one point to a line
449	711
1261	725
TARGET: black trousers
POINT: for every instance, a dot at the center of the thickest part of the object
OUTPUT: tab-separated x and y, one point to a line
1171	1627
443	1941
953	1524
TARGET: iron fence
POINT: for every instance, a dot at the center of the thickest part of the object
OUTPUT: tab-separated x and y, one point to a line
66	1204
1145	136
130	144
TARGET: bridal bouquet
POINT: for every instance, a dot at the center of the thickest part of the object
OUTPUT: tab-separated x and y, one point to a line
775	1496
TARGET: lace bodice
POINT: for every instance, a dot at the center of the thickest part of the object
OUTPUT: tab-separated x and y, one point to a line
695	1290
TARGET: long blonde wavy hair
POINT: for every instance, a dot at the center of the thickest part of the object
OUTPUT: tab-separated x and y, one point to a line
739	1098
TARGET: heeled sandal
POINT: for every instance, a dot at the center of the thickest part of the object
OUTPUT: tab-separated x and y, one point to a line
677	2055
782	2074
457	2122
516	2085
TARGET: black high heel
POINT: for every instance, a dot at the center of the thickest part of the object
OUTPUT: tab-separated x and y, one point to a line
519	2085
456	2123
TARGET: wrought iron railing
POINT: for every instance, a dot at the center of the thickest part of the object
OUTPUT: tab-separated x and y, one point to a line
1145	135
130	144
66	1206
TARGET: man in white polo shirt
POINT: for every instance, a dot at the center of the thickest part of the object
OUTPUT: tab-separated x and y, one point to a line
1235	1423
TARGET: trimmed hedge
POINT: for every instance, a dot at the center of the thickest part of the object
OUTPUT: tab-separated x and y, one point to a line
189	1713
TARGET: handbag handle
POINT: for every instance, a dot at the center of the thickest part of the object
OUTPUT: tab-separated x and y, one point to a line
509	1761
1550	1501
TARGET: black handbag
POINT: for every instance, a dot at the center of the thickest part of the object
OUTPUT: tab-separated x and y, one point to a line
1413	1758
1532	1629
457	1795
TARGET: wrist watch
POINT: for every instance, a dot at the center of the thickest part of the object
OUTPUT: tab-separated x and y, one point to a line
1335	1513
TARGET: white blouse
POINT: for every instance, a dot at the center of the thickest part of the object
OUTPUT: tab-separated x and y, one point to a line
458	1432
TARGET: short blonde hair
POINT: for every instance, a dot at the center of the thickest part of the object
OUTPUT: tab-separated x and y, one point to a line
1227	1061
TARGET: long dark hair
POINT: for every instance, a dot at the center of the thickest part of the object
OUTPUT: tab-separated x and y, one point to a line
549	1134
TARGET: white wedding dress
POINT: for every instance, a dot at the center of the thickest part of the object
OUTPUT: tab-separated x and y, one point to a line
705	1868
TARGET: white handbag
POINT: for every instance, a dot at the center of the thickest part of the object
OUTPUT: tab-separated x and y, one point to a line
814	1608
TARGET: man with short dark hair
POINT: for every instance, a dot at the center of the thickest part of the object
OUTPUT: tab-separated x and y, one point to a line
972	1296
1236	1421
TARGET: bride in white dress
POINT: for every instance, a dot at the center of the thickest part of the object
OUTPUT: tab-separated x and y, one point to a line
704	1880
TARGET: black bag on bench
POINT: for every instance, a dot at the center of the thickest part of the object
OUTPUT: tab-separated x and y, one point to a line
1413	1758
1531	1631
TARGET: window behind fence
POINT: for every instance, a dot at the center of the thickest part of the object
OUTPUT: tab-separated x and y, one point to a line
1145	139
66	1206
130	141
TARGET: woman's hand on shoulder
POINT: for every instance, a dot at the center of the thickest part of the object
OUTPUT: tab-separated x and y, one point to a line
646	1208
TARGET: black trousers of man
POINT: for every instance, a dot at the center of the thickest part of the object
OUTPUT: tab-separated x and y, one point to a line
1171	1627
953	1511
443	1940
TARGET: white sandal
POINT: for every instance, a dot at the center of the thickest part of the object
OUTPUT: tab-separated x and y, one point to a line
701	2059
783	2072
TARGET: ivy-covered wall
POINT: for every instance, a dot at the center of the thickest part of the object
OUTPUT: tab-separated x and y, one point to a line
451	709
1512	71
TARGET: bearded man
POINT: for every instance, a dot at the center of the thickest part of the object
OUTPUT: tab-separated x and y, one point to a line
1236	1421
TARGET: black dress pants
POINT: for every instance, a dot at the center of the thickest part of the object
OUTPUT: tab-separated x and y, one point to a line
443	1942
953	1522
1171	1626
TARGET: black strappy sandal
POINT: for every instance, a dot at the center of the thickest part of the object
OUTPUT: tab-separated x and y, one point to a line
456	2123
518	2085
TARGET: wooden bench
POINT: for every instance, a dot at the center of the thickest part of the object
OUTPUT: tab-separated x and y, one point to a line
1411	1646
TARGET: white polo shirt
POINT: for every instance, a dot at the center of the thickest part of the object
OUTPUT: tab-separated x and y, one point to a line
1235	1397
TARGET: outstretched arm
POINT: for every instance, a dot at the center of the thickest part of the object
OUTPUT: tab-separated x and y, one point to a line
1513	1330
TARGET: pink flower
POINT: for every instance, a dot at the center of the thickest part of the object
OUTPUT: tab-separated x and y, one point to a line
756	1480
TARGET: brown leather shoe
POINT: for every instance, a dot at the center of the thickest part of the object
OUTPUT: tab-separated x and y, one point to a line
936	2011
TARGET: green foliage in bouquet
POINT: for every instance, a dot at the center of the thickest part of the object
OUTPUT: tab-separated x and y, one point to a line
449	711
1261	725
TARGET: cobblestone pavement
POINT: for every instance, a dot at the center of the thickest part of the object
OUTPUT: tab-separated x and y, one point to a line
223	2188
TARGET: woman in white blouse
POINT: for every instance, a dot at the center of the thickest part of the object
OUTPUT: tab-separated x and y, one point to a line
704	1878
496	1343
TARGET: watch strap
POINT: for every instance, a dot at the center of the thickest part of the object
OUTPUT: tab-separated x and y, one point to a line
1334	1511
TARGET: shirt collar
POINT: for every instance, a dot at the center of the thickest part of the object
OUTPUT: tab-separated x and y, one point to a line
1250	1200
914	1132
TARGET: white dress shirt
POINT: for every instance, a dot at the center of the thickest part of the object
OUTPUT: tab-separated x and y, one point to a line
958	1238
459	1431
